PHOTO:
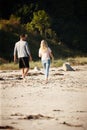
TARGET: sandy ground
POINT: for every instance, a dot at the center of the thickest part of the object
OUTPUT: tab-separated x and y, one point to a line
32	105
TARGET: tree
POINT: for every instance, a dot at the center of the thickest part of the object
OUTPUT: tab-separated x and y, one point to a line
40	21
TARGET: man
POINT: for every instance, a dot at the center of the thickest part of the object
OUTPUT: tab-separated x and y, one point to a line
21	50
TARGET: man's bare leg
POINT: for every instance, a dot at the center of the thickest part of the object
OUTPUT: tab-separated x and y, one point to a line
26	71
22	72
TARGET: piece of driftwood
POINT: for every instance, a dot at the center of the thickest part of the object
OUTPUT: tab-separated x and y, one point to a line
6	127
72	125
34	117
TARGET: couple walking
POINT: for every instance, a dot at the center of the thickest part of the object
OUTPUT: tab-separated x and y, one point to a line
22	51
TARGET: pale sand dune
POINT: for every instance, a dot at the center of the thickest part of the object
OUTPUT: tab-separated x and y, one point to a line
32	105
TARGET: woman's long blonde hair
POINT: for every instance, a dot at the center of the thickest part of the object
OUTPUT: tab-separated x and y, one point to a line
44	45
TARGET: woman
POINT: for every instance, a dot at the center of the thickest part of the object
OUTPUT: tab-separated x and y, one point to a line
45	53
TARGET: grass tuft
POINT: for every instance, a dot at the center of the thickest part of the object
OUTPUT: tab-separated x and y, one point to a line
54	63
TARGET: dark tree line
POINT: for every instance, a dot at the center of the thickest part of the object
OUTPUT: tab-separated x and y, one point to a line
68	18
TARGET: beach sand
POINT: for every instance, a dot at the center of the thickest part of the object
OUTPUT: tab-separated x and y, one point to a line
29	104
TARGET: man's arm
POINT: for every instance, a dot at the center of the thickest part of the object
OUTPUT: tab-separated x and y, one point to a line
28	52
15	54
15	59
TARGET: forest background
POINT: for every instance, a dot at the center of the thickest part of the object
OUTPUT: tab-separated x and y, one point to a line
62	23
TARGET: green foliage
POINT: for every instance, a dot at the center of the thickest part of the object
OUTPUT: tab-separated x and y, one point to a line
9	66
57	62
14	19
40	22
26	12
77	60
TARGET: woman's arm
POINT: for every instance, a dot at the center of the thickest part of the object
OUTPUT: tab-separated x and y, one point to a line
40	55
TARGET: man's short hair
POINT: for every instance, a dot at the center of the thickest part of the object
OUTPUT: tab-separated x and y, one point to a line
22	35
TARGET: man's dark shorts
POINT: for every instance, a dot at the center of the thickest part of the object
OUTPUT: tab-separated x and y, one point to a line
24	62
